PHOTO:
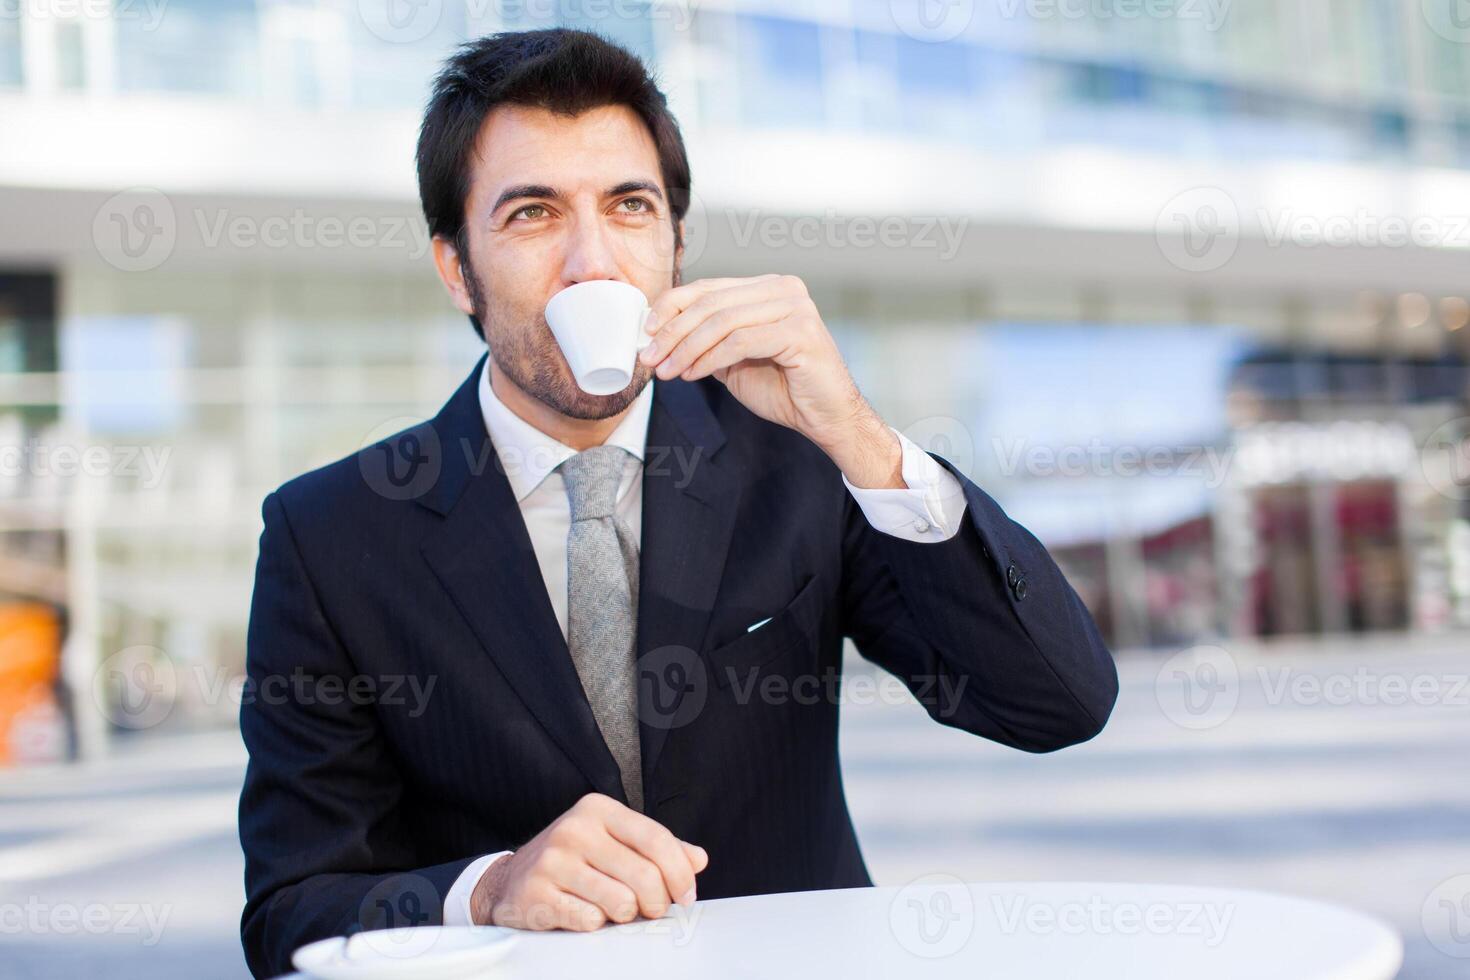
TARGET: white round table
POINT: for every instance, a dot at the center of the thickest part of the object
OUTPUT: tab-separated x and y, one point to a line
938	926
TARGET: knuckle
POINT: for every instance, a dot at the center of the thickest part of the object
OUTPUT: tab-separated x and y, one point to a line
564	832
624	904
638	837
575	837
650	881
553	858
537	904
663	838
588	918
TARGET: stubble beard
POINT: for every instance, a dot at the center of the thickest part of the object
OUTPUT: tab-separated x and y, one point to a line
533	361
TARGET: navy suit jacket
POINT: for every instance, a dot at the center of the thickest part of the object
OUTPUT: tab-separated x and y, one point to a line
410	703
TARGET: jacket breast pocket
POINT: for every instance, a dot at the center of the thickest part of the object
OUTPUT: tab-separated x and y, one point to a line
792	626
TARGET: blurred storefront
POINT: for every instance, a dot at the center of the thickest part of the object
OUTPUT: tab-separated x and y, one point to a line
185	322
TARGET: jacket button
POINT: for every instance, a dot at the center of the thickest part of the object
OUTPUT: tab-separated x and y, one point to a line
1020	588
1012	575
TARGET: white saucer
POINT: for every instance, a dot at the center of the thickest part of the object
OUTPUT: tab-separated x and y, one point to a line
419	952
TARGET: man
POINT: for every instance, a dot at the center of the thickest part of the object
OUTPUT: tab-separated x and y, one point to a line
621	615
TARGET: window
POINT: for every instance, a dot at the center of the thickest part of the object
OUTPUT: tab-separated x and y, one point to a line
70	56
780	69
627	24
207	46
10	74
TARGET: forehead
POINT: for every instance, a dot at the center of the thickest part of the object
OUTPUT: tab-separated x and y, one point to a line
520	144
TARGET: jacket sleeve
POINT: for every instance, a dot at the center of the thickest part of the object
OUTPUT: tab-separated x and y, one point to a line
982	627
326	851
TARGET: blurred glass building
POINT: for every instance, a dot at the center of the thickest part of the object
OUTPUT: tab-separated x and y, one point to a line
1182	283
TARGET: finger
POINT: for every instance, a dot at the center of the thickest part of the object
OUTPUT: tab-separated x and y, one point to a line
654	841
616	900
715	328
674	300
619	861
748	343
672	303
698	857
678	321
577	914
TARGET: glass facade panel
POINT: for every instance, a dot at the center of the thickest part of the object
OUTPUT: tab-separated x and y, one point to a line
198	46
10	62
780	70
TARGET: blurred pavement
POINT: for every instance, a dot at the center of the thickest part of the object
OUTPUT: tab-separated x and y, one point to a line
132	868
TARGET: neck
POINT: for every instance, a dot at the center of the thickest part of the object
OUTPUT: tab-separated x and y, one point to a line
580	434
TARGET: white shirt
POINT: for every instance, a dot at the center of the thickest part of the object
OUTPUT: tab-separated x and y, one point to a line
929	510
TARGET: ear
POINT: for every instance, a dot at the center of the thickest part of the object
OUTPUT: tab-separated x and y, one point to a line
451	273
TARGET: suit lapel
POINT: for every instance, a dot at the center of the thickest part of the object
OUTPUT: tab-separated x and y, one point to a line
483	558
689	506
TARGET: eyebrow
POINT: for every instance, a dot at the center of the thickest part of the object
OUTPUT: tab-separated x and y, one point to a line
521	191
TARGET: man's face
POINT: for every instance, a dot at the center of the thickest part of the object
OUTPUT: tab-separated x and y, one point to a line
555	201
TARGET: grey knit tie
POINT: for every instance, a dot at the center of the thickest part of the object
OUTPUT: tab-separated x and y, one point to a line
602	605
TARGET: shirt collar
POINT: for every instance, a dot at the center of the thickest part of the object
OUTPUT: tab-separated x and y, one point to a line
527	454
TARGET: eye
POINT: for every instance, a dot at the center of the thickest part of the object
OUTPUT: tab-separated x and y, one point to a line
525	210
644	206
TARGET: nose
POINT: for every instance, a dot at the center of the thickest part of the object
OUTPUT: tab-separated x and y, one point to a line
589	253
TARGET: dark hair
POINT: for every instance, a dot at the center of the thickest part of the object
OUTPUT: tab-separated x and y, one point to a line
563	70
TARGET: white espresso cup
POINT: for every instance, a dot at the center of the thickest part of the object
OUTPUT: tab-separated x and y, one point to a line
599	326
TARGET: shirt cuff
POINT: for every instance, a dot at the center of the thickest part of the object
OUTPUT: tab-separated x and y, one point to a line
929	510
457	902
